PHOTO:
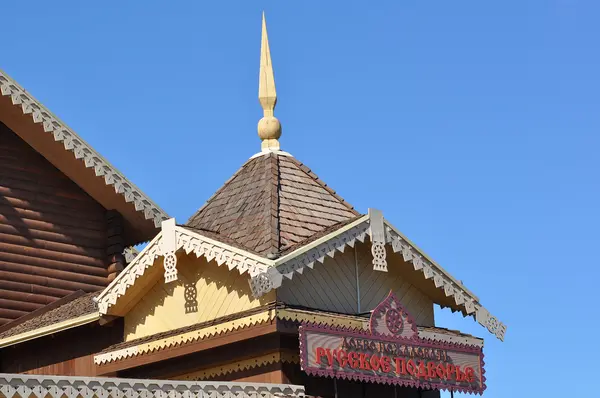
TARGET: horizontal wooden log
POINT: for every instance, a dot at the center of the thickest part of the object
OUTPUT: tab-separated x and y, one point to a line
25	306
51	245
56	283
46	226
36	290
16	170
31	266
39	197
94	215
40	188
14	157
56	219
75	240
12	165
66	261
11	314
26	297
115	268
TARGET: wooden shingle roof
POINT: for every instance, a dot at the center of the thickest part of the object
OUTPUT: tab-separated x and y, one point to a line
273	202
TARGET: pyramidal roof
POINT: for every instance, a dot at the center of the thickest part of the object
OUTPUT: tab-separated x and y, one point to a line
271	204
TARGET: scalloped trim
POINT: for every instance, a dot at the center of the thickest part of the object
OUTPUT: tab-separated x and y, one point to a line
267	359
184	338
80	149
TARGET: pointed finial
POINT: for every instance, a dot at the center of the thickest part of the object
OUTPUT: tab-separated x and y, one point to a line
269	128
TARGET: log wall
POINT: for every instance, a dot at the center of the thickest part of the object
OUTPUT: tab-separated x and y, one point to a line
54	237
57	355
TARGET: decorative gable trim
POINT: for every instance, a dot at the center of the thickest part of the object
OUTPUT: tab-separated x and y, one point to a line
190	242
308	255
185	337
80	149
224	254
267	275
443	280
371	225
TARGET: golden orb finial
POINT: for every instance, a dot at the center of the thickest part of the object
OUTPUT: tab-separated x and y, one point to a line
269	128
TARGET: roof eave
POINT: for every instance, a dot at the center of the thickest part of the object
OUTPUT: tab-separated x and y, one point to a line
47	330
51	137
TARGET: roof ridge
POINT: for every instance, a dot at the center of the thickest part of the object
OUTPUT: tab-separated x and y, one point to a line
316	178
272	210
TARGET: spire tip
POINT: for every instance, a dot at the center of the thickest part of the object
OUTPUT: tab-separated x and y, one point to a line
269	128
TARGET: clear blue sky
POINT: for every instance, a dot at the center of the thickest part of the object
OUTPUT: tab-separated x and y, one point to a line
473	125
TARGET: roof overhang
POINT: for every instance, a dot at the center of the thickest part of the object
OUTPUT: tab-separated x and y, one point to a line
195	339
51	329
69	153
266	275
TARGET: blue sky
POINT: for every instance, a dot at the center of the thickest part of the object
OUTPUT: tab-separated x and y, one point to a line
472	124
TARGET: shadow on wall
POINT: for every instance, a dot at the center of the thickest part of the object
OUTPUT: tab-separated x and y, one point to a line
191	298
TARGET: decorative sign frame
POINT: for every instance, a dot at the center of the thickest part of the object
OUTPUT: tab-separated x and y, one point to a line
391	352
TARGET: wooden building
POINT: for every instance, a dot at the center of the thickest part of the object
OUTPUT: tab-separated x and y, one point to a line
66	214
276	279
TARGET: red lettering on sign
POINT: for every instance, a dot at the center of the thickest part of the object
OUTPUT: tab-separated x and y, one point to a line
386	364
320	352
353	359
470	374
441	371
431	370
374	361
422	370
400	366
364	361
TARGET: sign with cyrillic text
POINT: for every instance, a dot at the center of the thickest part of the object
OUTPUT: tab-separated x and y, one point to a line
392	353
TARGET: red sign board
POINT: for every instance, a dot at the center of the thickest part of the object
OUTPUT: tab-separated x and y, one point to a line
391	352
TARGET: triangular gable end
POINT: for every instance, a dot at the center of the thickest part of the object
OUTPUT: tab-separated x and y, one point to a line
53	139
383	236
266	275
142	271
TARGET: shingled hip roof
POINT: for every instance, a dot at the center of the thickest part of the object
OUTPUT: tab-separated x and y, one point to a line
272	203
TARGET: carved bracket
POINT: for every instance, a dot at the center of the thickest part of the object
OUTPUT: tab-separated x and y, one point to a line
377	232
169	246
171	239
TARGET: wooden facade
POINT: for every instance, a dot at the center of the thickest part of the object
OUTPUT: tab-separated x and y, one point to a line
347	284
204	292
69	353
227	296
53	235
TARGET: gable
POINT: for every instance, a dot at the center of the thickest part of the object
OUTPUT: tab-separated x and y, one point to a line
69	153
389	250
348	284
204	291
53	235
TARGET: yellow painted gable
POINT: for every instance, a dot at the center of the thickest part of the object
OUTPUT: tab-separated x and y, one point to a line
204	291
